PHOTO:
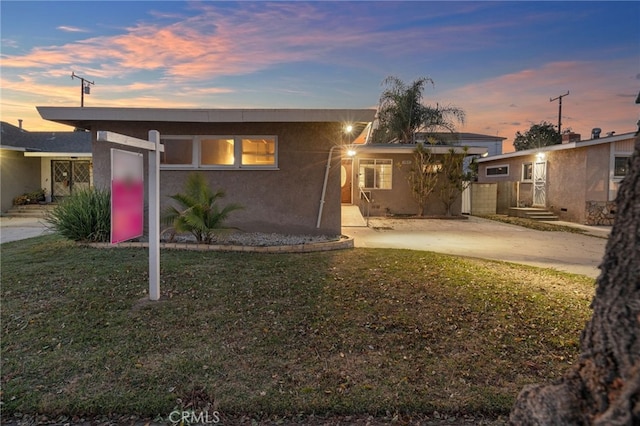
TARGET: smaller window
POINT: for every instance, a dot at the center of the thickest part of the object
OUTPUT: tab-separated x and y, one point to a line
259	152
527	172
375	174
621	167
217	152
498	171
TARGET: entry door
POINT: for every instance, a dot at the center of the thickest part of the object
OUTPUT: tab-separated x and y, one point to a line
69	176
346	180
540	184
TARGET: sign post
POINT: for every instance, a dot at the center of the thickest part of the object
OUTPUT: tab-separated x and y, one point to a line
155	148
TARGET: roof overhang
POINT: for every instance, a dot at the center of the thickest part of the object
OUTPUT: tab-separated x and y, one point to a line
409	149
559	147
57	154
80	116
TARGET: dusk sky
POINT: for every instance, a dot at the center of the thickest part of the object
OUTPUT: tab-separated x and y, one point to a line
501	62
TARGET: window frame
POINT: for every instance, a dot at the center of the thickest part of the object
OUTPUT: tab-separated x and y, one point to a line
196	157
626	159
523	177
375	163
497	166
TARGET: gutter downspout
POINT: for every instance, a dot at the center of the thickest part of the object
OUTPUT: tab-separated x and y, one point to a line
324	185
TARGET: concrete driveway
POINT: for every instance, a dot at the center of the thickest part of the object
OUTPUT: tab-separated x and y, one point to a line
482	238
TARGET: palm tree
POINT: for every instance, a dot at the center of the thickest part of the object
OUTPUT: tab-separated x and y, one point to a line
401	112
199	213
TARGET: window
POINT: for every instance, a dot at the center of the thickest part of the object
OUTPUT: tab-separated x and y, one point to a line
621	166
375	174
527	172
498	171
177	151
259	152
223	152
217	152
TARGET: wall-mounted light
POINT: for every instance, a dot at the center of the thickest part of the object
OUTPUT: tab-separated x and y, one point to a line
351	152
541	156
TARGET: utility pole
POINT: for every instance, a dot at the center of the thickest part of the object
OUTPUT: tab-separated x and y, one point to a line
559	99
84	87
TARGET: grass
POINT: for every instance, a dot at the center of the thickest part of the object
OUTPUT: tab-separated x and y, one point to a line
335	333
533	224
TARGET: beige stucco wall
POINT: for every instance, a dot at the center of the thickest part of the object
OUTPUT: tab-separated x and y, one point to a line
574	176
399	200
286	200
19	174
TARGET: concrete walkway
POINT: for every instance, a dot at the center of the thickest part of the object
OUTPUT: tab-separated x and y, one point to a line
20	228
482	238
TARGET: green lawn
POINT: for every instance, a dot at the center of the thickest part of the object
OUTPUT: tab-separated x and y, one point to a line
348	332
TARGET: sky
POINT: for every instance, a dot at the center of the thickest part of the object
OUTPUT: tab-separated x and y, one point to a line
501	62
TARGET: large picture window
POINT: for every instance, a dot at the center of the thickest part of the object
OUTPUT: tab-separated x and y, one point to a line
375	174
223	152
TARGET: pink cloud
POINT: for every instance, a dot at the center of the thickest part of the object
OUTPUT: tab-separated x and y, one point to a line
512	102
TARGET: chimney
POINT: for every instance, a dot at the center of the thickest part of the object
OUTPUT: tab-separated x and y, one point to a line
570	137
20	123
595	133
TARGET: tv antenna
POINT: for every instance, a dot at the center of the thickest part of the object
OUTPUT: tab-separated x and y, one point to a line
85	87
559	99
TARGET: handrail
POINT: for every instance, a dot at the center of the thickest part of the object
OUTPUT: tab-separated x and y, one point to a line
364	195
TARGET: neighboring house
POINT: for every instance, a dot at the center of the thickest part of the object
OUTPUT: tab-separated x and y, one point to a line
58	162
375	176
277	163
576	180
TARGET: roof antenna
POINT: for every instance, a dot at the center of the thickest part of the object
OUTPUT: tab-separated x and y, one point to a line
85	87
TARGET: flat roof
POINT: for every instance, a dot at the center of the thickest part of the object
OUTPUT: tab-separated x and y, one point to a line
560	147
76	116
395	148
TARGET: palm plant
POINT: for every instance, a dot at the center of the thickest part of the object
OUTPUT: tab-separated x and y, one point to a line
401	112
199	213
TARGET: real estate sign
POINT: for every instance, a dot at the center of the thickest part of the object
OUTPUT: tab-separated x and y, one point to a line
127	195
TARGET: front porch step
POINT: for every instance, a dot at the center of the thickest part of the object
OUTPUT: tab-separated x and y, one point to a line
532	213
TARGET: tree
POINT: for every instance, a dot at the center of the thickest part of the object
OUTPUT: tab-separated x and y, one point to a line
538	135
454	177
401	112
199	213
603	388
423	176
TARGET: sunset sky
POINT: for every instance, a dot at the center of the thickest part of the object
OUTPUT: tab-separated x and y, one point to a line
501	62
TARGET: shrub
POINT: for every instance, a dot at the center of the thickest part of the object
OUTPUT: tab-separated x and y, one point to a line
33	197
199	213
84	216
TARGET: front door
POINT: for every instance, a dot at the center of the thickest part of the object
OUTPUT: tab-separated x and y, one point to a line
69	176
540	184
346	180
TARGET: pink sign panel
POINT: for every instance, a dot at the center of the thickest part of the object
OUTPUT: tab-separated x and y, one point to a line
127	196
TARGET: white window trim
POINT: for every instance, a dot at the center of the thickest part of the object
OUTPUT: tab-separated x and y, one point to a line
486	170
196	141
375	163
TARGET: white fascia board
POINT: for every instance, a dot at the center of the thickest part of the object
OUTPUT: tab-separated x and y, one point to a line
58	154
559	147
408	149
71	114
13	148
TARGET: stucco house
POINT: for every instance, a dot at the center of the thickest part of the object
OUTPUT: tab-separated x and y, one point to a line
375	176
58	162
281	165
577	180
